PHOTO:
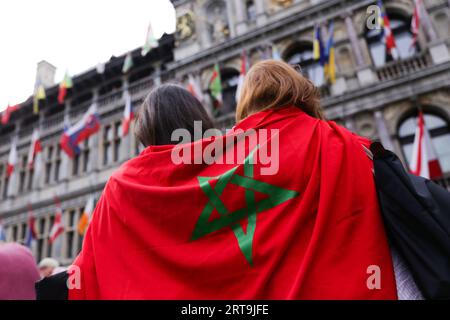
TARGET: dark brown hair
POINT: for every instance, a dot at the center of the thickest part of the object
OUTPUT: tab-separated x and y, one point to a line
272	84
166	108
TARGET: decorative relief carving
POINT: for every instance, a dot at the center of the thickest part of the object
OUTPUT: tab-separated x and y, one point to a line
185	26
282	3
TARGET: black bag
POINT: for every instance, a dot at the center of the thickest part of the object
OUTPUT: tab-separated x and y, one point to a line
416	213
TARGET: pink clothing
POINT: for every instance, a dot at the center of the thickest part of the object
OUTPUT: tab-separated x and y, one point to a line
18	272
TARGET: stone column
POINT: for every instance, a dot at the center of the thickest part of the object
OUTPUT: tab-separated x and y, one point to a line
94	141
13	181
157	75
427	25
241	16
364	73
354	40
64	171
39	165
230	19
261	16
383	132
125	146
202	26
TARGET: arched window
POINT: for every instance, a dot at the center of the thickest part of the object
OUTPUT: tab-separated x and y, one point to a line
440	135
302	54
230	79
401	28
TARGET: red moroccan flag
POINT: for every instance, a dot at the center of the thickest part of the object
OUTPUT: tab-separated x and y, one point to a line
304	225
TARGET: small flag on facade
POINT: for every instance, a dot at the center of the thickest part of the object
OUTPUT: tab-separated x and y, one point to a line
35	148
244	69
150	41
58	225
31	228
12	158
330	64
194	88
424	161
86	216
127	63
64	88
6	114
39	98
83	129
276	53
128	114
415	22
386	33
215	86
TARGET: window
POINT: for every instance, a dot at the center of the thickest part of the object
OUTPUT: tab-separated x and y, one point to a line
107	135
111	143
401	29
85	156
30	179
301	54
70	234
48	164
23	173
57	162
1	176
117	140
440	135
5	188
14	233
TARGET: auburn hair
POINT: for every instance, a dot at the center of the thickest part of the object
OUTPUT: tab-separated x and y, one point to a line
272	84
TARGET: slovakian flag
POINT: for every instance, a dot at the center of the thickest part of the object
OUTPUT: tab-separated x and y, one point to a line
128	114
58	225
35	148
64	87
83	129
244	69
194	88
6	114
12	158
86	216
415	22
31	228
386	33
242	227
424	161
215	86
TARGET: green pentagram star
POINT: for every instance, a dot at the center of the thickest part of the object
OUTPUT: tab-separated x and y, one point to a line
276	194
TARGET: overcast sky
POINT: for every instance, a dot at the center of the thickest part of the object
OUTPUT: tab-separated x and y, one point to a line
72	35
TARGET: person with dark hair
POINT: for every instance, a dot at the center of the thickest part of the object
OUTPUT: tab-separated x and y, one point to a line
167	108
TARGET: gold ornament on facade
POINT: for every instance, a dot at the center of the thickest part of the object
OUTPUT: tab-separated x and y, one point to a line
185	26
284	3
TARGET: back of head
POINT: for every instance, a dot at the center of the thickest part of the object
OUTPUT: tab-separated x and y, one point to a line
169	107
272	84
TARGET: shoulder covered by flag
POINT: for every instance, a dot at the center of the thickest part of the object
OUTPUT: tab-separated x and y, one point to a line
173	230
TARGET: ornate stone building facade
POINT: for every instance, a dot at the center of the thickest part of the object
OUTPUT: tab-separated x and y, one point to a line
371	96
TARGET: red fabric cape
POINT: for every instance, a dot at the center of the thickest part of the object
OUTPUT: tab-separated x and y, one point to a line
224	231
